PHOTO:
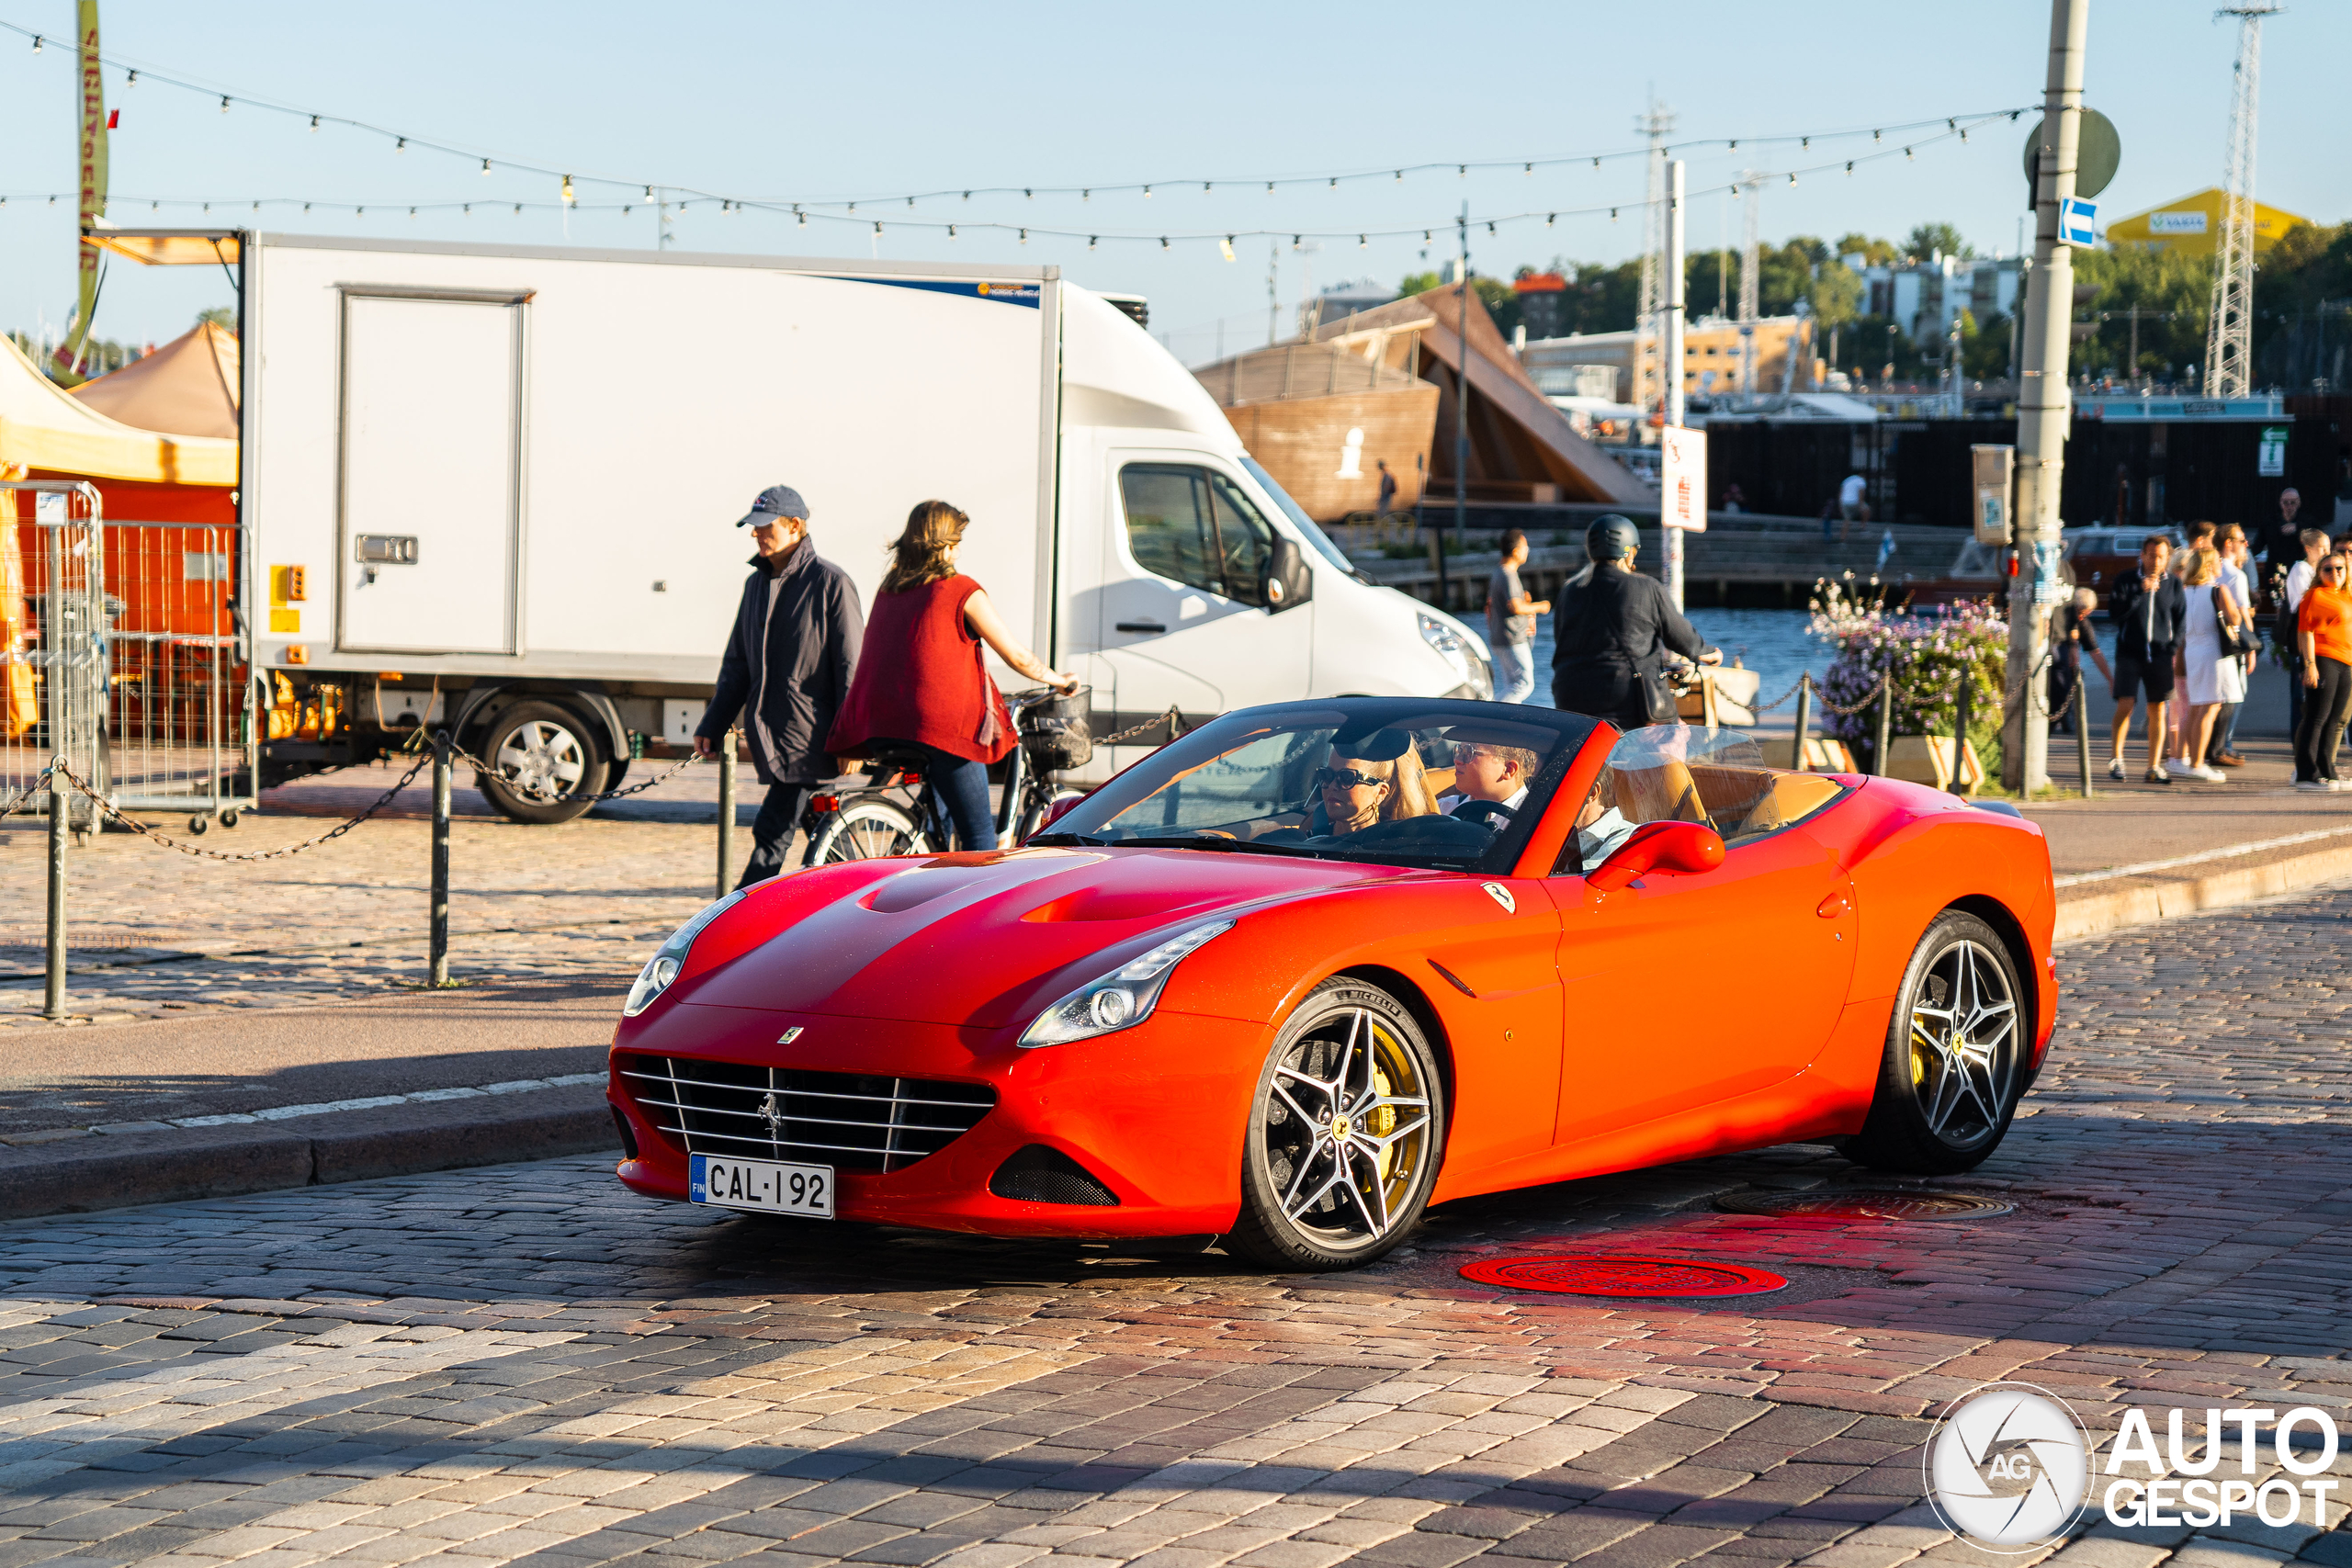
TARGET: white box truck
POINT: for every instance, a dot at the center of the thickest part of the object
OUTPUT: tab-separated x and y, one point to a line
492	486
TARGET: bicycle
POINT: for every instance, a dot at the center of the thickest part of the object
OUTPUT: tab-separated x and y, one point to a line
899	814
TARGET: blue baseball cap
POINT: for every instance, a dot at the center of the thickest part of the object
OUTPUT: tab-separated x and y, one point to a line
776	502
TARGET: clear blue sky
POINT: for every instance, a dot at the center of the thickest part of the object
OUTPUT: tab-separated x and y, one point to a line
806	102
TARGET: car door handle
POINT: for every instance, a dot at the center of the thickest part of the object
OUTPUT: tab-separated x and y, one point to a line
1141	626
1836	907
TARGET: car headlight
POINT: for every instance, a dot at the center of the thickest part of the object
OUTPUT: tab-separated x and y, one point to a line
1458	652
670	956
1120	999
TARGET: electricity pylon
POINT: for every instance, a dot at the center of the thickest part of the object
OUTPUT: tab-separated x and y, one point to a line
2229	335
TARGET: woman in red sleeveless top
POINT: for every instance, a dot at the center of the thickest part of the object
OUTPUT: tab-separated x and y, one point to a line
919	684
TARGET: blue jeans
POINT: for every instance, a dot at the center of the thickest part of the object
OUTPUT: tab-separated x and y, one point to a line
772	830
961	787
1514	671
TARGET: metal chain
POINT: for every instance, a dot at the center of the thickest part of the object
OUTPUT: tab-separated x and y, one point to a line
458	754
169	842
1171	718
27	793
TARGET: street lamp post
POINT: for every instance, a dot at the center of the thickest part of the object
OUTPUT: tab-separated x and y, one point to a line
2043	403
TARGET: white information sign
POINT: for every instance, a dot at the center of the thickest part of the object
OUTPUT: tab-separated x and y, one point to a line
1683	478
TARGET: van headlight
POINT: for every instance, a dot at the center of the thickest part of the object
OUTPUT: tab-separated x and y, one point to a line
670	956
1458	652
1120	999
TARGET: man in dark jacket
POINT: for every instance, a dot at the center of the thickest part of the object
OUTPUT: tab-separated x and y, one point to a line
2150	610
785	669
1614	631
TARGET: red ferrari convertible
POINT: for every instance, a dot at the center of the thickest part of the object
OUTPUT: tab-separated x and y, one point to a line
1315	966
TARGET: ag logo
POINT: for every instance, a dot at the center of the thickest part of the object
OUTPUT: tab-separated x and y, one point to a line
2009	1467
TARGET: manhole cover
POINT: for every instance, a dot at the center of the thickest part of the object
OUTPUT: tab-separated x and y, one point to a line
1624	1275
1856	1204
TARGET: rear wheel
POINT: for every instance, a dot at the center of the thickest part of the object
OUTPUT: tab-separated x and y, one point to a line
545	765
1345	1136
1955	1055
866	830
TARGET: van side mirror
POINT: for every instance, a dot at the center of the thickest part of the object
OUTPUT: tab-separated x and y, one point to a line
1289	581
1674	848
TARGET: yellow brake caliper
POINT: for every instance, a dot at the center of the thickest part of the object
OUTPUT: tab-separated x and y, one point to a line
1382	1120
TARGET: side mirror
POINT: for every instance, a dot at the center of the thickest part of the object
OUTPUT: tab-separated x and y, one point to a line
1674	848
1289	581
1060	809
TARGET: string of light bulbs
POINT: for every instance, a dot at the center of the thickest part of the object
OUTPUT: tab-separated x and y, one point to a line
1226	239
488	161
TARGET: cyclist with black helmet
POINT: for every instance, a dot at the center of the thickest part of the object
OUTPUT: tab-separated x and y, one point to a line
1614	631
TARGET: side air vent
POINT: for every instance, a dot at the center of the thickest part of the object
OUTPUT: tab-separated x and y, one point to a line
1040	1175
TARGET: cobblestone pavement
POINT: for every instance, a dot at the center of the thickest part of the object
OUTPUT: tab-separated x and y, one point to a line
528	1365
154	931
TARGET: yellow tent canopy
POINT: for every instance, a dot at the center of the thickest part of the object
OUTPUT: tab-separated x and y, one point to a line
189	387
2192	225
41	426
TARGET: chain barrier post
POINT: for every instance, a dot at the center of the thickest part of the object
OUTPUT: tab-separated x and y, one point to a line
53	998
1960	735
1805	719
2083	734
1885	722
726	810
440	912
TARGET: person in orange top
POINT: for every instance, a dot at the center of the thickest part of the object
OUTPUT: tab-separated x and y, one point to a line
2324	631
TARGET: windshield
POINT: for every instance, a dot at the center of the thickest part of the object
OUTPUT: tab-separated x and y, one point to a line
1299	517
1403	782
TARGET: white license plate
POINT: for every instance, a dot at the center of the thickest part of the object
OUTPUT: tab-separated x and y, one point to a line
764	1185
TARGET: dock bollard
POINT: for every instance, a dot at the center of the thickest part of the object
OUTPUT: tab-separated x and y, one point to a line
438	975
1805	720
2083	735
726	810
1885	721
1960	738
53	998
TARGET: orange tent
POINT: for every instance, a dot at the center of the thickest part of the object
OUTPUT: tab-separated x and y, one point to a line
189	387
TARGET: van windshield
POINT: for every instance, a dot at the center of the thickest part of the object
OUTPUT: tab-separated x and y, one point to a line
1299	520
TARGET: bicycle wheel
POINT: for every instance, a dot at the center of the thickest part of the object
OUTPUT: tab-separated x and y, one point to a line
1034	810
866	830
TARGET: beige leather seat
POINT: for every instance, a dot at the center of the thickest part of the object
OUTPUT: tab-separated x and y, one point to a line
1663	794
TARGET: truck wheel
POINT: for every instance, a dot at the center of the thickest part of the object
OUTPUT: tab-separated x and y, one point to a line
545	765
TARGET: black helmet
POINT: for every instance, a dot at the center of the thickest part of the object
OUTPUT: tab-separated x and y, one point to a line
1613	537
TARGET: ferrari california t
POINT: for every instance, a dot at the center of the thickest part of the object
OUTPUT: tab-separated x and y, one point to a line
1315	966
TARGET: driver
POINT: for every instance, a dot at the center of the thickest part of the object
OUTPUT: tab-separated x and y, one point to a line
1370	779
1490	783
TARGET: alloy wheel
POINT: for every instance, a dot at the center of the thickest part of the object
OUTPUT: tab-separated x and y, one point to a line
1964	1044
1347	1131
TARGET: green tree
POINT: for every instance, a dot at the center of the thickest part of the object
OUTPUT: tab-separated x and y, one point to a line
2302	309
1835	295
1985	351
1937	239
220	316
2174	294
1500	300
1875	252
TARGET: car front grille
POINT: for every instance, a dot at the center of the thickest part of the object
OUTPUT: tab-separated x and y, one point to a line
858	1122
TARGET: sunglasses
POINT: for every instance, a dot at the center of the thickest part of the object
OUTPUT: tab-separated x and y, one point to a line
1346	778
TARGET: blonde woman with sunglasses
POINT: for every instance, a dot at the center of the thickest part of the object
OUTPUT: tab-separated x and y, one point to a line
2323	634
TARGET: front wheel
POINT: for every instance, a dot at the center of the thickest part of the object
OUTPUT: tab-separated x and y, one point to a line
866	830
1033	814
1955	1055
1346	1133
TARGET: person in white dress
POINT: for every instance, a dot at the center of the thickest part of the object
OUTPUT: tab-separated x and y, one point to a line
2211	679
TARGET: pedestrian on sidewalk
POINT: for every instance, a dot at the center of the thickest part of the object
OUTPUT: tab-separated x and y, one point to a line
2212	675
2282	537
2072	635
2148	610
2223	752
2297	582
786	670
921	685
1510	623
1387	502
2200	536
1609	651
2323	630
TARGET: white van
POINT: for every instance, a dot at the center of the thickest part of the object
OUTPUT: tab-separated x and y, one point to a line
495	487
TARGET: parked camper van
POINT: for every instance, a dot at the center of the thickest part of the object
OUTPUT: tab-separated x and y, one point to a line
494	488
